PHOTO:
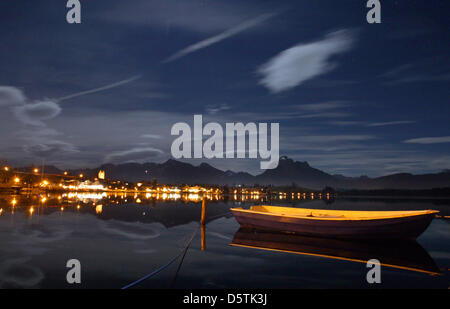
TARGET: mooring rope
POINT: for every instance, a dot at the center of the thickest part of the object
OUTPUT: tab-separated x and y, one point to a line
163	266
183	252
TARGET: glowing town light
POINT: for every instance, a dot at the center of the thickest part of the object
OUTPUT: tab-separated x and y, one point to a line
81	175
78	206
14	202
16	180
6	168
99	209
62	208
44	199
65	173
36	170
31	210
101	174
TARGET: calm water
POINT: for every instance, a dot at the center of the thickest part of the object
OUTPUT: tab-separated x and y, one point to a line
119	239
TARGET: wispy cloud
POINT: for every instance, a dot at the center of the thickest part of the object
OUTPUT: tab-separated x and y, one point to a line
302	62
346	123
194	15
38	140
220	37
113	85
35	113
52	148
155	136
214	109
138	154
11	96
323	106
429	140
390	123
427	70
420	78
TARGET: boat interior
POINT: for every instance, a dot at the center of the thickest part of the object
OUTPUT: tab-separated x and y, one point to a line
333	214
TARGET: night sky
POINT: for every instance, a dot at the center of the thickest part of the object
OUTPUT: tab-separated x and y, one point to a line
351	98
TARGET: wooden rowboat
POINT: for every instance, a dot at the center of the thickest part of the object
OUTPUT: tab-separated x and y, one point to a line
347	224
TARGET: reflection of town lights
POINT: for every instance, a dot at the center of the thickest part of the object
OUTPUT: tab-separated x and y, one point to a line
62	208
78	206
31	210
1	211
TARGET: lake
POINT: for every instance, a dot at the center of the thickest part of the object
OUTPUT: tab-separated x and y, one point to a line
121	238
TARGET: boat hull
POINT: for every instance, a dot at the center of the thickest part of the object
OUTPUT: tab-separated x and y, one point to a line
408	227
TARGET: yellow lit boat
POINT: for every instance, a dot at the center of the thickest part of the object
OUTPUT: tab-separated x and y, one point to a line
336	223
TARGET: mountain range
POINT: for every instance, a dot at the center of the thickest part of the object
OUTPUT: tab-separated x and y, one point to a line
288	172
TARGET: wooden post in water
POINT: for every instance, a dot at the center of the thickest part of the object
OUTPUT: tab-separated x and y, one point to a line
203	227
203	219
202	223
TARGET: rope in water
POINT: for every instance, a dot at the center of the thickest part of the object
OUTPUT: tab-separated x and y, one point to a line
164	266
183	252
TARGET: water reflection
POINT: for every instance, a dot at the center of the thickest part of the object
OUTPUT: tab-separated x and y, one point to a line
122	237
405	254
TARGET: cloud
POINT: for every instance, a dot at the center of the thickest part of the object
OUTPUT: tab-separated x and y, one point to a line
138	154
333	138
429	140
425	70
345	123
11	96
214	109
389	123
155	136
318	107
220	37
35	113
302	62
51	148
194	15
113	85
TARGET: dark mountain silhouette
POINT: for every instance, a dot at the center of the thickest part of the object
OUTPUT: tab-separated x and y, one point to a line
288	172
300	173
